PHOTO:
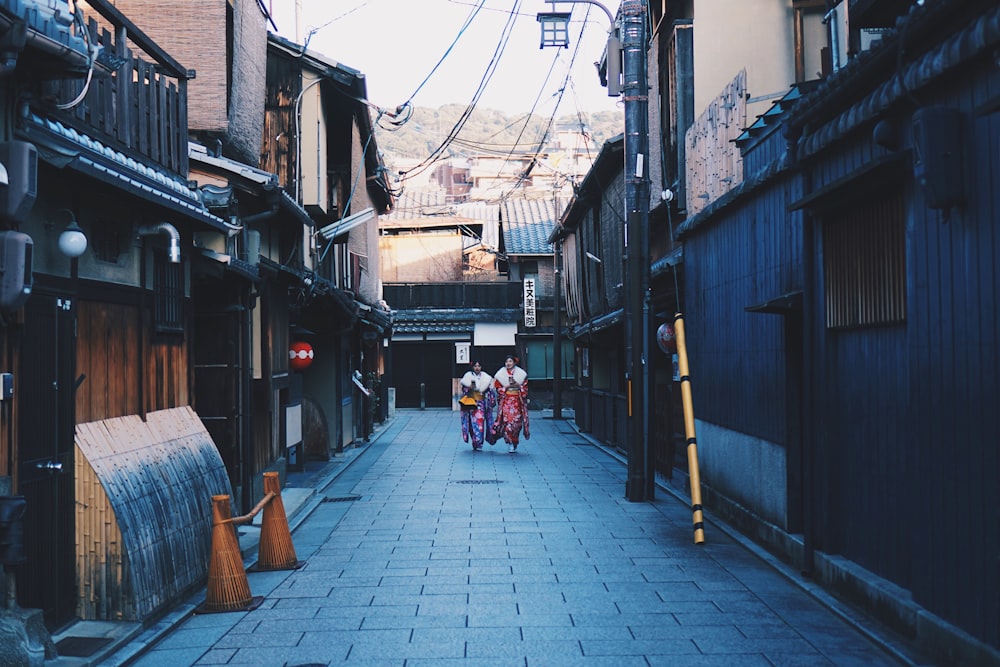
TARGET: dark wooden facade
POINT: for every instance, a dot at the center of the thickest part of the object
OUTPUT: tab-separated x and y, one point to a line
844	297
592	231
106	147
459	295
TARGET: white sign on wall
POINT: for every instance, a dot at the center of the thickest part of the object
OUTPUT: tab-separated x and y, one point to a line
529	302
462	353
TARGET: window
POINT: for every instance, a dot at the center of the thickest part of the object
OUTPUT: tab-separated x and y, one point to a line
812	52
109	240
539	362
168	295
864	265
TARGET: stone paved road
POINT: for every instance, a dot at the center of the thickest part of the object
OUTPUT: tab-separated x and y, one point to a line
431	554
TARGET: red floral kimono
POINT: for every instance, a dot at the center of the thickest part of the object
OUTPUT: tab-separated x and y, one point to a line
512	409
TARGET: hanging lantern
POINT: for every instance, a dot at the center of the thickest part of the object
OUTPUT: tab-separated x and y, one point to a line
665	338
300	355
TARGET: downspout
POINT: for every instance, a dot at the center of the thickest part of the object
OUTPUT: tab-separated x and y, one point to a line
174	239
298	140
245	230
244	424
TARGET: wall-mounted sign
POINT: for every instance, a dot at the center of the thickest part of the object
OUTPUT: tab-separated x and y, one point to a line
462	353
529	302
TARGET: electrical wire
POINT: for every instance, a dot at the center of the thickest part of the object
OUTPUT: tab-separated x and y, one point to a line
562	91
465	25
487	75
313	31
92	51
404	111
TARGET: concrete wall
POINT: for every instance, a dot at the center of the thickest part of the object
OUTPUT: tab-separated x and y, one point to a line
753	34
747	470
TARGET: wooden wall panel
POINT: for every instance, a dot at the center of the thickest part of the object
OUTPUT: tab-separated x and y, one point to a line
714	164
751	255
108	355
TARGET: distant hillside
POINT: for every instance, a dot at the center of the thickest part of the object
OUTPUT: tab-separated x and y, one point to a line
486	131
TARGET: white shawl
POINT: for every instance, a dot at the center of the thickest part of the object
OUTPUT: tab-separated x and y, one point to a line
503	376
480	382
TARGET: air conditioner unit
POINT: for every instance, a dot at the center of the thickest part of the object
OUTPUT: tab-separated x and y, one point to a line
15	269
21	160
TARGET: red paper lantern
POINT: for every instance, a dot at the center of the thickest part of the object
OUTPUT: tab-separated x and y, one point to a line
300	355
665	338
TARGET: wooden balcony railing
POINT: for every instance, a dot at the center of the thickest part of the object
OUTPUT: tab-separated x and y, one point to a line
135	106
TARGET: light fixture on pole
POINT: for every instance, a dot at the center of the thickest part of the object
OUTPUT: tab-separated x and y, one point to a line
72	241
555	32
555	29
630	66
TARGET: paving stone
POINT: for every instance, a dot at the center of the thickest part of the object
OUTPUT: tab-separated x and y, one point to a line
544	562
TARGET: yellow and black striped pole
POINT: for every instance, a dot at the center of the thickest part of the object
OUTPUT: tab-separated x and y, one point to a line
694	477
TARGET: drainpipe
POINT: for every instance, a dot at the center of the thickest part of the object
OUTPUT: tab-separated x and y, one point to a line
298	140
174	247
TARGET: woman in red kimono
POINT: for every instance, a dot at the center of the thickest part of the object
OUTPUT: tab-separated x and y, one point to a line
511	383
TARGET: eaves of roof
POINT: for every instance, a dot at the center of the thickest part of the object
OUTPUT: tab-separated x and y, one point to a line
607	164
67	147
428	315
353	86
249	177
598	324
874	81
528	223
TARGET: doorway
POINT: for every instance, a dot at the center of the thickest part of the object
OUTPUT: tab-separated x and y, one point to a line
423	369
47	417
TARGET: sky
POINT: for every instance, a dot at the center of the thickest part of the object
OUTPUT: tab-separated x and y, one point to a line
396	44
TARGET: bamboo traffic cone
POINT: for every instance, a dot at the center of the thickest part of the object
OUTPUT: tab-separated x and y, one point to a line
228	589
276	551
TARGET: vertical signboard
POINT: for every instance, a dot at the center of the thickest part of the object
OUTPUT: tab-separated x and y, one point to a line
529	302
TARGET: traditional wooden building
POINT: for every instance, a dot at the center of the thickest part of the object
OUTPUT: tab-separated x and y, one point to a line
319	138
100	335
446	280
591	235
841	332
526	221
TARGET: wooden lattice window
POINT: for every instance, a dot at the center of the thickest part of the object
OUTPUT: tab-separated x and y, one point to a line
864	264
168	295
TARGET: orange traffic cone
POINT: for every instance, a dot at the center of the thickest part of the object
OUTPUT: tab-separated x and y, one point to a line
276	551
228	589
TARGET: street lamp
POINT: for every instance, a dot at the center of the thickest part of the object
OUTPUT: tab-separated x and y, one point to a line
555	29
640	483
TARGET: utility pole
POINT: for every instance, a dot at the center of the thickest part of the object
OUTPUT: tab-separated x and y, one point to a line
557	333
639	485
641	479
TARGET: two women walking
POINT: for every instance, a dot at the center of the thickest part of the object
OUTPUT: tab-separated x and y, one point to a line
498	408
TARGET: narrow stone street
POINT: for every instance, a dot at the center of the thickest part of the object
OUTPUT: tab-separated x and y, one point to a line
424	552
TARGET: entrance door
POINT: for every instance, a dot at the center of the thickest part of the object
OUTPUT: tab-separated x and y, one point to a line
423	370
44	393
220	393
